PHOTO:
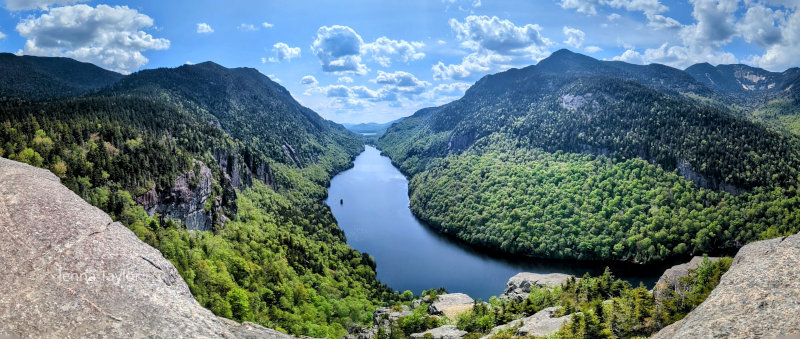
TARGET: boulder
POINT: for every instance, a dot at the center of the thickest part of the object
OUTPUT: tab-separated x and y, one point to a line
543	323
670	277
69	271
451	305
519	286
444	332
385	316
758	297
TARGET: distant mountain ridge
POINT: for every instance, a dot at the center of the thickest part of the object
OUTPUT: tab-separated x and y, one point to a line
370	127
37	78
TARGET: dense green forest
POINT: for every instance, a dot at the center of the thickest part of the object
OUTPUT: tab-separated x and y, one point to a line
279	260
564	159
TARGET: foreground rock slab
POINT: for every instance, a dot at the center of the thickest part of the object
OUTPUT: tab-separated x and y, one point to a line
444	332
519	286
451	305
759	296
69	271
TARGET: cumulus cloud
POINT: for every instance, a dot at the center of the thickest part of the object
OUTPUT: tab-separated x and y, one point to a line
345	80
784	51
309	80
497	35
267	25
384	49
284	52
758	26
273	77
400	81
574	36
496	44
110	37
204	28
2	36
18	5
339	50
715	24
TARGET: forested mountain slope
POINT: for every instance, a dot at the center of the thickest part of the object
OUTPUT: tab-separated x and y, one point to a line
206	147
37	78
566	159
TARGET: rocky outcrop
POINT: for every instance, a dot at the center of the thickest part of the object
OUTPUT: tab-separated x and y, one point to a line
519	286
385	316
759	296
186	200
670	278
542	324
69	271
451	305
444	332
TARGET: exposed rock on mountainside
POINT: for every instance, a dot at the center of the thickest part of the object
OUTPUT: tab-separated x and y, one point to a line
186	200
444	332
541	324
758	297
451	304
70	271
670	277
519	286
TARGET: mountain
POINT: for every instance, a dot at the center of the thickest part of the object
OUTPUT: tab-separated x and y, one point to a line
370	128
580	158
38	78
223	172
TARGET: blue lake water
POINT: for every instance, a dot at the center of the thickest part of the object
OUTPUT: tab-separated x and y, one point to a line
375	217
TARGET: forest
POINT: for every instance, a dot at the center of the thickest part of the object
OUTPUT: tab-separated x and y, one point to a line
564	159
275	255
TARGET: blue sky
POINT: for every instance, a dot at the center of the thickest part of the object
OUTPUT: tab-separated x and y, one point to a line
362	60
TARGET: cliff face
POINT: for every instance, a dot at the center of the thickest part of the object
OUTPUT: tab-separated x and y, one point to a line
69	271
758	297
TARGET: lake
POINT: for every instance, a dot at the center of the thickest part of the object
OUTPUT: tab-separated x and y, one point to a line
376	219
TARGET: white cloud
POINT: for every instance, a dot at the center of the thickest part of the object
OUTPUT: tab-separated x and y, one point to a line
715	23
273	77
582	6
110	37
284	52
309	80
383	49
477	62
339	50
267	25
783	52
574	36
658	21
345	80
204	28
498	35
400	81
650	8
631	56
758	26
263	60
17	5
2	36
497	44
613	16
246	27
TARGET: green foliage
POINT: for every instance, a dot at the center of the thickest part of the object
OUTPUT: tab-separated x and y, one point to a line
281	260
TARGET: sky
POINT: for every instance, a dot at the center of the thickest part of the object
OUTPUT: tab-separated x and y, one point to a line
376	61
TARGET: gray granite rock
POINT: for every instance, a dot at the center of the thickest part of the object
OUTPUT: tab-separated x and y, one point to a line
758	297
385	316
670	277
443	332
68	271
451	305
519	286
543	323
